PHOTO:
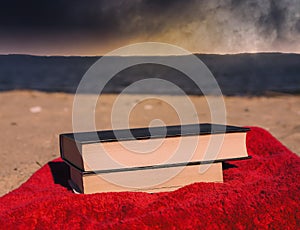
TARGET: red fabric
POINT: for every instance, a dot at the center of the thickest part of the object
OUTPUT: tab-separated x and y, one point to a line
262	192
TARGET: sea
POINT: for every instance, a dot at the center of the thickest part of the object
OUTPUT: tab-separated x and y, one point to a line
249	74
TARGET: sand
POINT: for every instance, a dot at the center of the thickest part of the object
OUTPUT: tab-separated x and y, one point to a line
31	122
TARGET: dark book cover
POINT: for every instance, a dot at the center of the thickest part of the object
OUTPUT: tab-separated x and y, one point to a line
152	132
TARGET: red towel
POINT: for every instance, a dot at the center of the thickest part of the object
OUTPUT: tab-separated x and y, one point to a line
262	192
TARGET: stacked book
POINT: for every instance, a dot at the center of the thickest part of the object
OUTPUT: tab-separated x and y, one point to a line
150	159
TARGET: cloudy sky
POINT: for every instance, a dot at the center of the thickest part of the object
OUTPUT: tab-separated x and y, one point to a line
94	27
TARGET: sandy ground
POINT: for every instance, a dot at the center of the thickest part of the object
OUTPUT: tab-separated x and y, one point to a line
31	121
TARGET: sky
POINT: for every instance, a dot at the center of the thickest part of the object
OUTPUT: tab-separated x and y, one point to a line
95	27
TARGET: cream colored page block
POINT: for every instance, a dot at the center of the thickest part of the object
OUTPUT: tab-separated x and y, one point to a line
155	180
169	151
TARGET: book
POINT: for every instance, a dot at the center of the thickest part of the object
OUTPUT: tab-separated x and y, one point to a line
104	150
151	180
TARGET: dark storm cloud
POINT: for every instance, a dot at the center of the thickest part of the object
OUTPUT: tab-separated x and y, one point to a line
55	15
76	14
216	24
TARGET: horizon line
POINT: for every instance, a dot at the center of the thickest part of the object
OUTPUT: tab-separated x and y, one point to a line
194	53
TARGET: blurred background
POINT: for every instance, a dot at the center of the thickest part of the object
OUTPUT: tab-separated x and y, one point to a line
251	46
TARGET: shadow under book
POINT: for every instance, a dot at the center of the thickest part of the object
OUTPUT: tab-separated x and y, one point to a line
150	159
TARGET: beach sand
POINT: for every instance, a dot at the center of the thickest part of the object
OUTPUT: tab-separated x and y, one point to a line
31	122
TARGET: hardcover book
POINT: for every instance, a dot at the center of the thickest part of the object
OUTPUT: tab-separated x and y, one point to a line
156	179
177	144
